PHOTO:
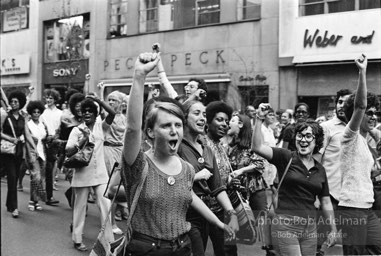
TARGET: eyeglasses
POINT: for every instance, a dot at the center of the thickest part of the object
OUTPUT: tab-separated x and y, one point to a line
36	112
370	113
308	136
14	101
87	110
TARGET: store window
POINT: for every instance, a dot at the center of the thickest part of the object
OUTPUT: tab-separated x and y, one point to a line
208	12
254	95
159	15
14	15
248	9
315	7
118	18
67	39
148	16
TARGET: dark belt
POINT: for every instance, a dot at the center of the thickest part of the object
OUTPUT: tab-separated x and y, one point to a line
160	242
109	144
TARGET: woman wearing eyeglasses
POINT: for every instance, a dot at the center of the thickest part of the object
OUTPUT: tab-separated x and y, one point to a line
94	176
362	235
293	227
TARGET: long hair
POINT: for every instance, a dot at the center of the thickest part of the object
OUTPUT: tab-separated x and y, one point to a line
243	140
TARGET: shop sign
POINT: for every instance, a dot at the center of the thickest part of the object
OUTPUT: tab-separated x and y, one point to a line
68	71
337	37
65	72
14	65
15	19
187	59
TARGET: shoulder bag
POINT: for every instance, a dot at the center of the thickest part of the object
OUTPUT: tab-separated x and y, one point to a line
263	224
81	158
246	221
102	247
8	147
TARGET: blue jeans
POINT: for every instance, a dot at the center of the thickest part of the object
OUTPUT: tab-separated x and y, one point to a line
361	231
198	233
218	239
293	235
141	244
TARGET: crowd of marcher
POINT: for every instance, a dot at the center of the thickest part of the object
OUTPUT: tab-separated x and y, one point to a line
199	155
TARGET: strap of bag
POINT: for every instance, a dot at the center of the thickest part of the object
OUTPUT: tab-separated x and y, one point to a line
13	130
135	199
280	182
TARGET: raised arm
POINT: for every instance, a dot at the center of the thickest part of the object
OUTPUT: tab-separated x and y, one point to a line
360	101
144	64
257	144
166	85
111	113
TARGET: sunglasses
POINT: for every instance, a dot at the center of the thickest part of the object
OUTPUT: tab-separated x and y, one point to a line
36	112
370	113
308	137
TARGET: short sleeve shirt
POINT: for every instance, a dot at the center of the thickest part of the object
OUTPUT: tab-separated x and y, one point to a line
300	186
331	150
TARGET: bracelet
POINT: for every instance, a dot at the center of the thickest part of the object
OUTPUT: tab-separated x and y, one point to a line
160	72
231	212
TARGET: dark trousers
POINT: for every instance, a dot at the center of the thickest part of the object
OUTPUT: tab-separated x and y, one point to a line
49	178
11	166
218	239
323	227
198	233
361	231
141	244
258	202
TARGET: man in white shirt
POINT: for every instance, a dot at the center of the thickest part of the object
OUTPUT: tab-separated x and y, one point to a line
52	119
329	154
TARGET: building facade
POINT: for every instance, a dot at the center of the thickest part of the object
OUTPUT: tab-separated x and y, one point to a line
19	45
232	44
318	41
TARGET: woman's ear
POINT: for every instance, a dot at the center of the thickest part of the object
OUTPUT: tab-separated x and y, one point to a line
150	133
240	124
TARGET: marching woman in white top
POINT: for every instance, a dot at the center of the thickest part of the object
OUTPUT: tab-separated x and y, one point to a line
37	173
95	174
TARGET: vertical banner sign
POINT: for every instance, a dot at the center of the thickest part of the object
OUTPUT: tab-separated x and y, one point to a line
15	19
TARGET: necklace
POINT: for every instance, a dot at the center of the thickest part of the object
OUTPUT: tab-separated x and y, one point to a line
171	180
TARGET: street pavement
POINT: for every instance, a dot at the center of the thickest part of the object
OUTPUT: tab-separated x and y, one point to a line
47	233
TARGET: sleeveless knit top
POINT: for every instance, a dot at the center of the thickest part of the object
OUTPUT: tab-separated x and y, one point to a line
161	209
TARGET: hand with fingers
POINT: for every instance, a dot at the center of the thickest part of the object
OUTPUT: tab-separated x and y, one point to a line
361	62
204	174
146	62
262	110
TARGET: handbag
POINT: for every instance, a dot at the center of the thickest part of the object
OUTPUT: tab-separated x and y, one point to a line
264	220
246	221
118	247
8	147
81	158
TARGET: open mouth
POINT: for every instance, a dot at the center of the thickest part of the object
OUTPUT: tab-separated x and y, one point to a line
172	144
